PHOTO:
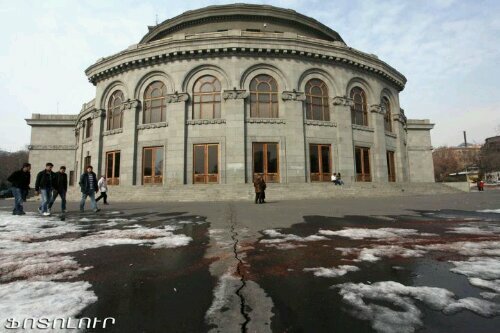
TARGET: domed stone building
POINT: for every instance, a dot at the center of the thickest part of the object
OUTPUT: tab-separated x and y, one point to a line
223	93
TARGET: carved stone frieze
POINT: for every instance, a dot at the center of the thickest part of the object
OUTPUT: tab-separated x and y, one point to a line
343	101
293	95
235	94
177	97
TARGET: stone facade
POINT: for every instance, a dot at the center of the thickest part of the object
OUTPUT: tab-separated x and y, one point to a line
234	44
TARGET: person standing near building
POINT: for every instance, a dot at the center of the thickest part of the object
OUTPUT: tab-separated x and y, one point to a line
258	188
88	187
103	188
60	188
20	181
45	182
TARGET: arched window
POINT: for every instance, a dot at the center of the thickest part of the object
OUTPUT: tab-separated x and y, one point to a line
359	110
263	97
317	107
115	112
387	115
154	103
206	98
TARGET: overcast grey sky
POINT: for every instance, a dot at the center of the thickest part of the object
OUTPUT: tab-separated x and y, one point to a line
448	49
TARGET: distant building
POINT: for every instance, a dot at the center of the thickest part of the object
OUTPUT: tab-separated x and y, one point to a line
490	159
456	161
221	94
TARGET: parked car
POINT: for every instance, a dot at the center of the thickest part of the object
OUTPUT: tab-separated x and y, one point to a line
6	193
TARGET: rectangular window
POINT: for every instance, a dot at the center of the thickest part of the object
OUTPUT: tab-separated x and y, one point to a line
391	166
362	158
113	167
88	128
320	158
87	161
205	163
152	165
266	161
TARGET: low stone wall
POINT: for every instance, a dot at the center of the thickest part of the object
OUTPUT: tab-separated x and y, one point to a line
462	186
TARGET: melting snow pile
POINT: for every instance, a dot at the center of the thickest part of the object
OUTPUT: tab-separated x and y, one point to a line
278	237
381	233
34	254
332	272
403	316
378	252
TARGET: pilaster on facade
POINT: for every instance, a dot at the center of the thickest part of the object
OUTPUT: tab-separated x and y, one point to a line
345	147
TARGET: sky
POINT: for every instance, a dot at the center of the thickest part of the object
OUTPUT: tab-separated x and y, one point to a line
449	50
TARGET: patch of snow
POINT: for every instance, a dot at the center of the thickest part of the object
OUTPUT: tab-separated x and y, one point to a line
478	267
489	211
404	316
485	284
485	248
488	295
285	246
278	237
381	233
37	299
477	229
332	272
378	252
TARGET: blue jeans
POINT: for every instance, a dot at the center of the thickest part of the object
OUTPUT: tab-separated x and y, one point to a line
18	199
62	194
46	198
93	204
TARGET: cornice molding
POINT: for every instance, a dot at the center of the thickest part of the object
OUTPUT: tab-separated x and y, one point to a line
130	104
152	125
320	123
363	128
52	147
177	97
235	94
205	121
343	101
265	121
293	95
112	132
181	49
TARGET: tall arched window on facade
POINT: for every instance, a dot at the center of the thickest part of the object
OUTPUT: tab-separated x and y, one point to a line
317	107
263	97
154	103
387	114
206	98
359	110
115	113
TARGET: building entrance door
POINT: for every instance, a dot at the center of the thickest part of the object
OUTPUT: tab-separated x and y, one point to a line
320	157
205	163
266	161
113	167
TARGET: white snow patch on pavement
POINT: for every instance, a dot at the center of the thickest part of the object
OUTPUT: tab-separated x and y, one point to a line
332	272
278	237
489	211
381	233
476	229
378	252
37	299
404	316
480	248
285	246
480	267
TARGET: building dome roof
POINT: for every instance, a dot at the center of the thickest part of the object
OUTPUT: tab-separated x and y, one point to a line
250	17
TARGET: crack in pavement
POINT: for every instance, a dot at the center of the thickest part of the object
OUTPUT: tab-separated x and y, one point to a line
234	237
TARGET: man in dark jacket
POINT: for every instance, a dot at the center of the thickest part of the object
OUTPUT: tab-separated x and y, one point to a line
20	181
88	187
60	188
45	183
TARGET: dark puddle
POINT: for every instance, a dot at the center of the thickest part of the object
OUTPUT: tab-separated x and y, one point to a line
152	290
306	303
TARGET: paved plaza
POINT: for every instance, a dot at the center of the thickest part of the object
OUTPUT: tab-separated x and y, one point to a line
396	264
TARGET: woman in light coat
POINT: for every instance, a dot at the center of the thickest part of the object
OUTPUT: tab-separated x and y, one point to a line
102	184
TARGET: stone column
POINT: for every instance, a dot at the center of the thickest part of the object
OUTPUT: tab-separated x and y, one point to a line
234	107
98	117
175	158
378	155
79	156
128	142
402	174
295	136
345	146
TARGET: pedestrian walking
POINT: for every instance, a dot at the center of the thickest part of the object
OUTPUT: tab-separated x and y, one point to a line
20	181
45	183
102	184
88	187
60	188
260	188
